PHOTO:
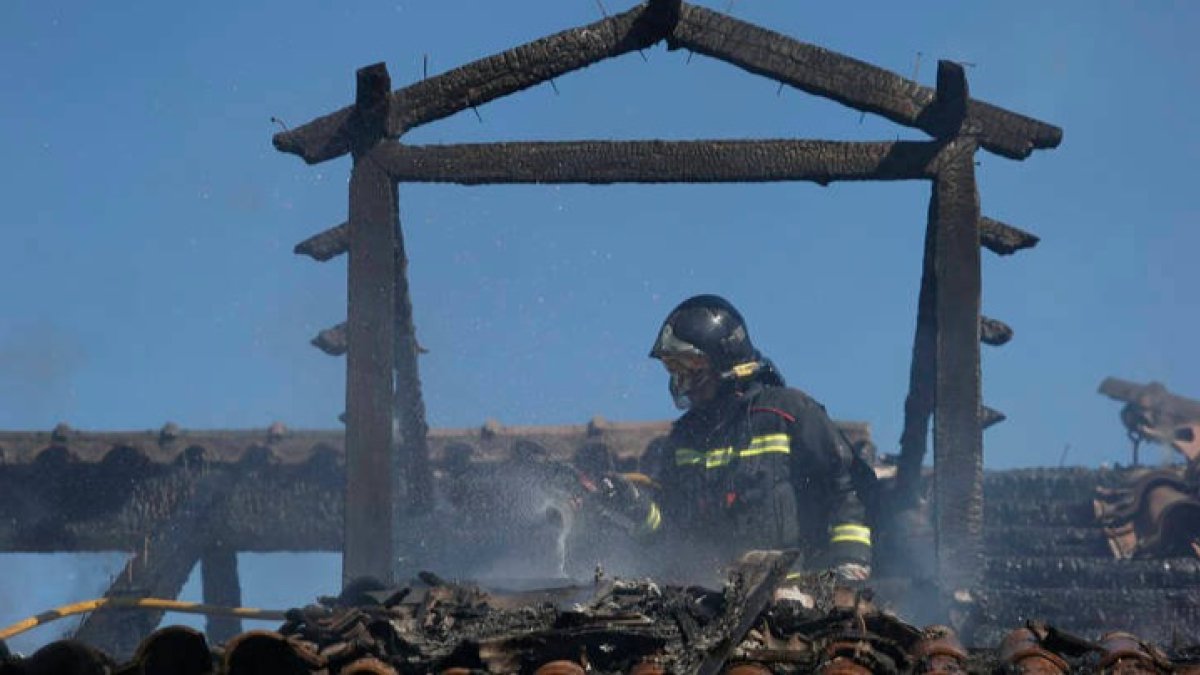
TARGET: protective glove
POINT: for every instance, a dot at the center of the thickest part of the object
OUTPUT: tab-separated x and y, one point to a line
852	571
622	502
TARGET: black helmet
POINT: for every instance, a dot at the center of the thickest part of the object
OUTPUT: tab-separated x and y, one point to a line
708	326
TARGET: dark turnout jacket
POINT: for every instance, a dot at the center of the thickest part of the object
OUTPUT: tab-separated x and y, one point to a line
763	468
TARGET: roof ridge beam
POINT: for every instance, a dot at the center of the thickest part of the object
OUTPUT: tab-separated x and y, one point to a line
851	82
490	78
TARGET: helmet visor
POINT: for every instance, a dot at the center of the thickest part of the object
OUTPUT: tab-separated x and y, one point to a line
690	375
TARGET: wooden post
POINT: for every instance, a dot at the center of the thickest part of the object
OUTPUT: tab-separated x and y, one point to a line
220	586
957	432
371	478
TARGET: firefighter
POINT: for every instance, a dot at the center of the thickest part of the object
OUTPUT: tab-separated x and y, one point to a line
752	463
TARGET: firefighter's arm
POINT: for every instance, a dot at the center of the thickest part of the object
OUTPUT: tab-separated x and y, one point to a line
849	535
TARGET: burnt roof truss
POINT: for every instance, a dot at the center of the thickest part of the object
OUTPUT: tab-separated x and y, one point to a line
385	409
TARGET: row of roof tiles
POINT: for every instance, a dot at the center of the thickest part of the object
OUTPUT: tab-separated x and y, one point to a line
287	446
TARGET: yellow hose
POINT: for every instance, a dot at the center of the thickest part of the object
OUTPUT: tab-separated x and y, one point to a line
137	603
641	479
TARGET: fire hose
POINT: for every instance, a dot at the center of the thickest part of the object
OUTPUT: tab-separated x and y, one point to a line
157	604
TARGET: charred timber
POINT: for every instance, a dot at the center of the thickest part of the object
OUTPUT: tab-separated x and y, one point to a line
754	581
1049	514
603	162
1154	611
158	568
371	476
993	332
1003	239
221	587
957	428
854	83
1002	540
1153	395
1084	572
918	403
990	417
326	245
332	340
488	79
806	67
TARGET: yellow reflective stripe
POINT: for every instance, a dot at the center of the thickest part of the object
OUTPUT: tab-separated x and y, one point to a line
772	443
718	457
859	534
769	439
653	519
745	369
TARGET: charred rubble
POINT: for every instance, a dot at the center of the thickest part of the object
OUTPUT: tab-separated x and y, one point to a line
610	626
1049	571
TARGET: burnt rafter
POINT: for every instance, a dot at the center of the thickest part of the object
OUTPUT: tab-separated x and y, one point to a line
490	78
989	417
849	81
854	83
993	332
326	245
159	567
1004	239
332	340
601	162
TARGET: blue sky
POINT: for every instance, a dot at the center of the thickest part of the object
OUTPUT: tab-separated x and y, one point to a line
149	223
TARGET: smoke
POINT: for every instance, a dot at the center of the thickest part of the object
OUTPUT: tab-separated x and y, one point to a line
38	364
525	524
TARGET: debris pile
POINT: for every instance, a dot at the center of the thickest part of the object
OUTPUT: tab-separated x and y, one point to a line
613	626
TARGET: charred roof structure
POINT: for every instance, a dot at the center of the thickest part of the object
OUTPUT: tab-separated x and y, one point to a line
175	498
386	448
1033	550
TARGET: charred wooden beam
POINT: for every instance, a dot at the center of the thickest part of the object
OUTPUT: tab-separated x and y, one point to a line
371	471
989	417
326	245
957	431
854	83
602	162
918	404
752	584
158	568
221	588
993	332
1153	395
1003	239
332	340
488	79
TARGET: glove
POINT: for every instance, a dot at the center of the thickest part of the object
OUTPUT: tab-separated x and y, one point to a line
625	504
852	571
794	595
